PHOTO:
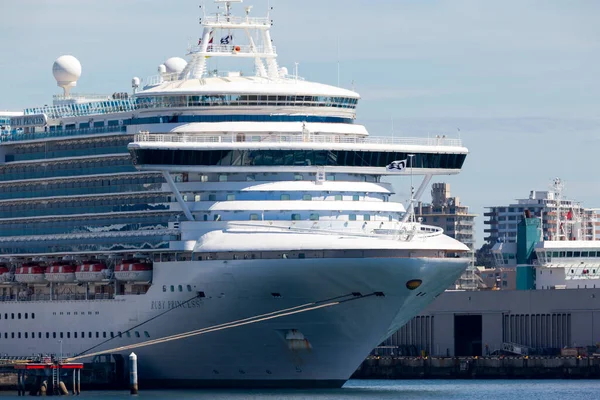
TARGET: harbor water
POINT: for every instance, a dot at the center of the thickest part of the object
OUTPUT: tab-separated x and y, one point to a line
386	389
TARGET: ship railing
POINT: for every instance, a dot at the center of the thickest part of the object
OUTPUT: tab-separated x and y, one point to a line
234	49
405	232
96	107
57	297
302	138
233	20
21	136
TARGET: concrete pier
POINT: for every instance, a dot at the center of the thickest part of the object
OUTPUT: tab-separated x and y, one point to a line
527	367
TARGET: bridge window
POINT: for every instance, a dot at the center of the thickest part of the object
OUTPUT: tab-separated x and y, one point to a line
338	197
212	197
253	217
314	217
230	197
352	217
284	197
298	177
367	217
307	197
222	178
295	217
355	197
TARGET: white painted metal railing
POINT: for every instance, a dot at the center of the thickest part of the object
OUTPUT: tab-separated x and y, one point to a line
299	138
229	19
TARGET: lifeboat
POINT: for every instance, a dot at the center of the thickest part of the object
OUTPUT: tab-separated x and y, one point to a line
133	271
30	273
5	275
60	272
91	271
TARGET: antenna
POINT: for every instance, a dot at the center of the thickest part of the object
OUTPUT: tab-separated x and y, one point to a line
338	60
412	189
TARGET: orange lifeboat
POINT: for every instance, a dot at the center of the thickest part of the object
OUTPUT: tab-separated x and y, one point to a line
30	273
133	271
92	271
60	272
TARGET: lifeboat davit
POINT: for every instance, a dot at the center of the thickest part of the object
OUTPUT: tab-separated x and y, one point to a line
133	271
60	272
30	273
5	275
92	271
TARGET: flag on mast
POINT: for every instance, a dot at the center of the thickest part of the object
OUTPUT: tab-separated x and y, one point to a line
397	166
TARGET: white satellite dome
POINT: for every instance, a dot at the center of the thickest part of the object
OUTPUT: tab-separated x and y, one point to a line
66	71
175	65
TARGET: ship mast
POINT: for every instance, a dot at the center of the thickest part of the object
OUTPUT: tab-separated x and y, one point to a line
221	38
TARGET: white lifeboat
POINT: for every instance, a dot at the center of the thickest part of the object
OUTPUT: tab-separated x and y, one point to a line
133	271
60	272
91	271
30	273
5	275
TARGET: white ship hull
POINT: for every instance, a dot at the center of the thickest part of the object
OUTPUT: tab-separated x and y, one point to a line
340	336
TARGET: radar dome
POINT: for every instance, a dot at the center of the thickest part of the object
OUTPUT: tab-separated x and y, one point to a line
66	71
175	65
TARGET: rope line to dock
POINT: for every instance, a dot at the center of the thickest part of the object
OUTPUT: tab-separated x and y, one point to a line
138	325
233	324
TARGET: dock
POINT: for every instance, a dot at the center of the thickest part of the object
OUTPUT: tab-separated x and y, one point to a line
48	377
496	367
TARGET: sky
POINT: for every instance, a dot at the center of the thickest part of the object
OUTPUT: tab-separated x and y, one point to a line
516	80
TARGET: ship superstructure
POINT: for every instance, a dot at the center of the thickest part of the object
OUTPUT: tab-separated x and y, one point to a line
207	197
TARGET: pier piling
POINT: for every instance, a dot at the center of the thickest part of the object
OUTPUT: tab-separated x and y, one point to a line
133	378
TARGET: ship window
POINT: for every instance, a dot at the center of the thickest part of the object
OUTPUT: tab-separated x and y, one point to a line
119	334
26	315
75	335
68	335
253	217
367	217
172	288
128	334
212	197
298	177
217	217
12	335
196	197
61	335
104	335
222	178
112	335
330	177
295	217
12	315
307	197
230	197
26	335
314	217
19	335
53	335
83	335
146	334
19	315
284	197
189	288
352	217
180	288
355	197
39	335
47	335
137	334
97	335
250	178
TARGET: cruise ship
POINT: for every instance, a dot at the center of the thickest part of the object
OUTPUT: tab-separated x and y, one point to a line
235	229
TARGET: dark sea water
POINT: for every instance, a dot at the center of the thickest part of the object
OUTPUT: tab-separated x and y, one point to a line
387	389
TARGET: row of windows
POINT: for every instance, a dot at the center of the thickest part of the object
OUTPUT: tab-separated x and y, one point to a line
226	216
131	223
74	335
142	202
179	288
274	196
17	315
224	100
291	158
69	148
80	186
568	254
133	244
110	165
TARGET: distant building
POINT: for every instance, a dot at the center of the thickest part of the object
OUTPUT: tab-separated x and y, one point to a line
446	212
502	220
498	278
